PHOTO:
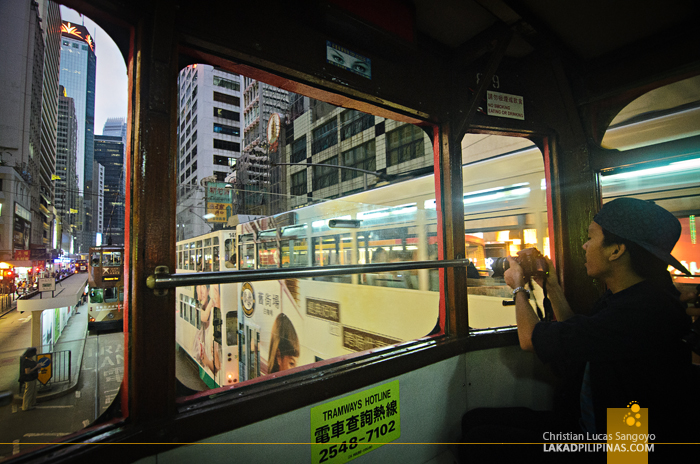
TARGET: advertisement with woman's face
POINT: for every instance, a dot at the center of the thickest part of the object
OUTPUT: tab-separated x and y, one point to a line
206	348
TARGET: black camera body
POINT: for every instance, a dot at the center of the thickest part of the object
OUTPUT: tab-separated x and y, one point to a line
531	260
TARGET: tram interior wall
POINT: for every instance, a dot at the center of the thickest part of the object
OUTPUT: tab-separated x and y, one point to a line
433	400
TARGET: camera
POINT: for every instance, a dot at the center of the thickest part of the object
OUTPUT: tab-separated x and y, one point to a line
531	260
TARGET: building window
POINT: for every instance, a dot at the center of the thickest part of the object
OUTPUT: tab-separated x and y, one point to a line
299	183
361	157
226	83
228	130
353	122
226	114
230	99
326	176
299	150
404	144
221	160
224	145
325	136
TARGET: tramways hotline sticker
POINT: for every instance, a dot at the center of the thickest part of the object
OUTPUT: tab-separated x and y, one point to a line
355	425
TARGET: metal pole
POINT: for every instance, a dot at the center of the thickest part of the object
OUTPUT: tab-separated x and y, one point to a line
162	280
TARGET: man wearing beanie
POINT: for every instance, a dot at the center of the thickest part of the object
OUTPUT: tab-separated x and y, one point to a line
631	343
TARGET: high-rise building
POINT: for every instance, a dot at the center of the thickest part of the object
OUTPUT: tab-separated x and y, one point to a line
115	127
51	32
66	184
28	114
265	107
209	142
78	73
109	152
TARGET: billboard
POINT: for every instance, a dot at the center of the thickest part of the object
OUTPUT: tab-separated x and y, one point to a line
219	202
22	228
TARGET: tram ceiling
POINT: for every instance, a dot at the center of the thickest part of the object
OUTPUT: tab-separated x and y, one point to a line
611	51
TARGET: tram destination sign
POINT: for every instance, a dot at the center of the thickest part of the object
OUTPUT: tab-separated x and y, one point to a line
347	428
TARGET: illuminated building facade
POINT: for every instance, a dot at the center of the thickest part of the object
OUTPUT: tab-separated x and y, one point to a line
78	74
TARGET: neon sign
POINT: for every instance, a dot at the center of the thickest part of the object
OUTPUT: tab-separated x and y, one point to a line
77	31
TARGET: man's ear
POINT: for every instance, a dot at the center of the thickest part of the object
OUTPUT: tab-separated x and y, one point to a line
618	251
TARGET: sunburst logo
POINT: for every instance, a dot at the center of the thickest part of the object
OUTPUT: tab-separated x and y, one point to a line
69	29
88	39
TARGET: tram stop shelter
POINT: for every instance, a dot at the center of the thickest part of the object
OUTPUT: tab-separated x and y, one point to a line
51	310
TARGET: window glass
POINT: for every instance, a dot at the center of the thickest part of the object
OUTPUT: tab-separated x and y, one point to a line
505	212
325	136
299	150
299	183
326	176
673	185
404	144
361	157
353	122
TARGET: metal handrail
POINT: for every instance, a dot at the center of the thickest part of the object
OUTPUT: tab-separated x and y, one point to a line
162	279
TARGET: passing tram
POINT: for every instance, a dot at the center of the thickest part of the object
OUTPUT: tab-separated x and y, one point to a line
105	288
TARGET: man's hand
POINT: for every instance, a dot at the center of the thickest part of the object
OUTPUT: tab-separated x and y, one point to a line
514	276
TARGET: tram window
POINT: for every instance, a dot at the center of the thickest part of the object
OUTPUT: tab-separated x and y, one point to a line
96	295
294	253
268	255
198	260
673	186
247	255
215	258
207	259
111	295
229	254
191	266
231	328
505	211
95	260
217	321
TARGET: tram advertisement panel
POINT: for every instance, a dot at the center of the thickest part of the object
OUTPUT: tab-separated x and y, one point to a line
355	425
302	321
206	345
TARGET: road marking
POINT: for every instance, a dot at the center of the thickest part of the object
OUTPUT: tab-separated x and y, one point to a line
54	407
14	408
15	447
77	393
86	422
